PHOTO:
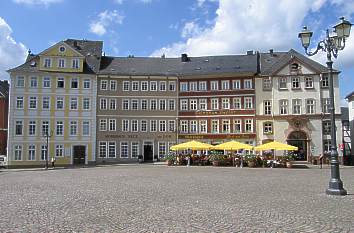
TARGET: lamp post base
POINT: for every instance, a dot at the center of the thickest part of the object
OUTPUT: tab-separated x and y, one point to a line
336	188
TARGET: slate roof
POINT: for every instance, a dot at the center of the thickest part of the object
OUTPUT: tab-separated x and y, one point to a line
4	89
344	113
350	95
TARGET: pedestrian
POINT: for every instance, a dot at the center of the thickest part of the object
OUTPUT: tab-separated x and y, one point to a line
53	162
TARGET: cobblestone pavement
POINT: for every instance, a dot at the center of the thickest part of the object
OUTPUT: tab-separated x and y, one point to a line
151	198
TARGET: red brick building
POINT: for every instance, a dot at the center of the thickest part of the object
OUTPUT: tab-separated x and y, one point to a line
4	106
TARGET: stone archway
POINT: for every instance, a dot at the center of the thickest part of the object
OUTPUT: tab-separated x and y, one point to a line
299	139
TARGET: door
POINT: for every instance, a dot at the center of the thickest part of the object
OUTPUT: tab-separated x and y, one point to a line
79	155
148	153
299	139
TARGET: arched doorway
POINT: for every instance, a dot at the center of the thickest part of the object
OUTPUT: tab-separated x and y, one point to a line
300	140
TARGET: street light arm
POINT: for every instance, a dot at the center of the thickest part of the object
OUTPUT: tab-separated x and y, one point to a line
320	46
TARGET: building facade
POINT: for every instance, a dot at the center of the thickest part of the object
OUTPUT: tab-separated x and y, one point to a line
350	100
4	107
53	96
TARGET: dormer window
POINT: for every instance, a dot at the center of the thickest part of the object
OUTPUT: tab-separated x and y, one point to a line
75	64
61	63
47	62
62	49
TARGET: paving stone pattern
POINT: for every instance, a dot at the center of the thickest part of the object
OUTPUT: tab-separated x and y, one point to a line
151	198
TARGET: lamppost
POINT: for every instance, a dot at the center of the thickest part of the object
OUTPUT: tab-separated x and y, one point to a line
47	135
332	44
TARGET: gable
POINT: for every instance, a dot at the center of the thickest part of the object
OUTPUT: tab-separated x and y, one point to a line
61	49
302	68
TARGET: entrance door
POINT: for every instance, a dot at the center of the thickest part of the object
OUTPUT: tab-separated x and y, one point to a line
299	139
79	155
148	153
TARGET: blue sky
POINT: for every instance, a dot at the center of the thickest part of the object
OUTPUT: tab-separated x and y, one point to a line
154	27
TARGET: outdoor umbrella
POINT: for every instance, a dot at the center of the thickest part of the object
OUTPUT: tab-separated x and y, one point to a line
275	146
192	145
233	146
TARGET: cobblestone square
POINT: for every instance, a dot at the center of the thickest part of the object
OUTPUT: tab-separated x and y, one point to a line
149	198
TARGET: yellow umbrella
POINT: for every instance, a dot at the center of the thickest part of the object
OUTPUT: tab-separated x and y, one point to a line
232	146
275	146
193	145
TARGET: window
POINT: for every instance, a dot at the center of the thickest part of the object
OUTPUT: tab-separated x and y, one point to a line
171	85
74	83
46	102
237	126
193	86
310	106
134	105
144	86
59	150
73	103
225	85
135	149
214	85
249	126
61	63
112	124
125	125
153	125
267	107
125	104
153	104
47	62
283	83
171	105
267	83
126	85
135	125
113	85
33	82
171	126
45	128
32	102
86	104
162	149
143	126
308	82
214	104
193	126
85	128
31	128
103	103
324	81
202	86
124	150
283	110
112	104
19	102
326	103
248	102
236	103
20	82
135	86
183	86
162	126
18	128
184	126
203	126
203	104
214	126
326	127
75	63
144	104
43	152
193	104
247	84
60	83
73	128
184	104
267	128
103	150
59	128
153	85
162	104
104	84
226	126
296	106
295	83
225	103
327	146
18	152
111	149
236	84
46	82
162	85
103	124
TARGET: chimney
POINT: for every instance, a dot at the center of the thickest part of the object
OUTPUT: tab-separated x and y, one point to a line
249	52
184	57
75	43
271	52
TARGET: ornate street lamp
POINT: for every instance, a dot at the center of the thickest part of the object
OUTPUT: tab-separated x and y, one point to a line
331	45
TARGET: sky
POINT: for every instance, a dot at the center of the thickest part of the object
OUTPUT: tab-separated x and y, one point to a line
171	27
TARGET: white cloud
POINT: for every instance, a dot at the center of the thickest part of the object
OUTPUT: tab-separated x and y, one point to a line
104	20
120	2
191	29
12	53
37	2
